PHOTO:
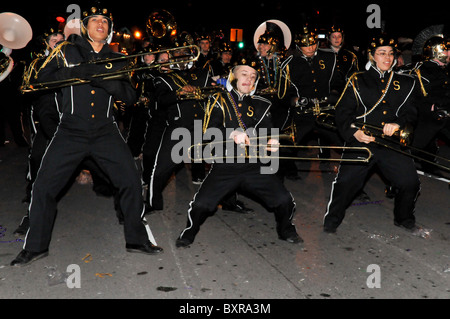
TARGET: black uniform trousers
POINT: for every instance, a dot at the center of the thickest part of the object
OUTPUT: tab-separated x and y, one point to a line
163	168
66	151
399	169
164	165
226	179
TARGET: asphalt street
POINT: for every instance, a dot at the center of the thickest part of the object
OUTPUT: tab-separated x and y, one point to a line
235	256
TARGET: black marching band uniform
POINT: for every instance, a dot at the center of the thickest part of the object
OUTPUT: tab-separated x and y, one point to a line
245	113
434	103
274	85
375	98
148	122
314	80
87	128
346	60
179	113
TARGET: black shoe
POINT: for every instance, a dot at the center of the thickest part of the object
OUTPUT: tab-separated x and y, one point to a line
292	238
183	242
26	257
409	225
329	229
23	227
147	248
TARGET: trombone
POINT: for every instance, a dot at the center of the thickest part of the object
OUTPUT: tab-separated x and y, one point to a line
33	87
404	139
200	93
260	151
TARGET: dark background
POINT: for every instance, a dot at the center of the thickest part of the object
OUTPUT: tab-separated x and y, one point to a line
400	18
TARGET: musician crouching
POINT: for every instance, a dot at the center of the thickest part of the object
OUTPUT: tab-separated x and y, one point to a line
241	112
87	129
382	98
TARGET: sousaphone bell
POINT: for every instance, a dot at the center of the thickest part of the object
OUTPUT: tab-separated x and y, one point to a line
15	33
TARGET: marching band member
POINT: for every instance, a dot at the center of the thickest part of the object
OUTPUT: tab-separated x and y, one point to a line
44	119
243	112
314	77
182	79
382	98
346	60
223	63
87	129
274	38
206	56
434	104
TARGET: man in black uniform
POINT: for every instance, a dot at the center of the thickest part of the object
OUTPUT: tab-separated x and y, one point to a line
206	56
87	128
275	81
315	79
346	60
44	120
243	113
434	104
172	90
382	98
222	64
148	121
273	67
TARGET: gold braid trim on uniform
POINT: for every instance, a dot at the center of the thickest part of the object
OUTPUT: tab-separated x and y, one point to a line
28	73
352	80
419	76
354	59
287	78
381	98
218	99
180	83
208	110
52	55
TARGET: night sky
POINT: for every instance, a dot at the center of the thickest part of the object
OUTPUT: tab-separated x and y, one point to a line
400	18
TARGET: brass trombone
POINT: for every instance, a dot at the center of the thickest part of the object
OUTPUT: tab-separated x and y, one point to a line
404	139
260	151
200	93
130	68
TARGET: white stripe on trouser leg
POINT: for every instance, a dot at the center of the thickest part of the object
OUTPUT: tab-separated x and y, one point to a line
149	232
150	186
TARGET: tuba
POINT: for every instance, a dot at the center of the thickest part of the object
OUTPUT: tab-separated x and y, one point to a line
15	33
161	25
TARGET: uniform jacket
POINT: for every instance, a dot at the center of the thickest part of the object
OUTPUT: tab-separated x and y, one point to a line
346	62
87	106
315	77
184	112
436	84
231	112
376	98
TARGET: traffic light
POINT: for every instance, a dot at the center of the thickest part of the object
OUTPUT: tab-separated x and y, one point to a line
241	45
